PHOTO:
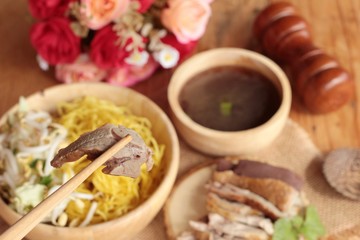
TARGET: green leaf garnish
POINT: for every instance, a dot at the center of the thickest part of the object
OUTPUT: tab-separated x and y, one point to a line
309	226
33	163
284	230
46	180
226	108
312	228
297	222
15	151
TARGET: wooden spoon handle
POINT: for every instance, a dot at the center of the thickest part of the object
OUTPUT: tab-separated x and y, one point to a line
25	224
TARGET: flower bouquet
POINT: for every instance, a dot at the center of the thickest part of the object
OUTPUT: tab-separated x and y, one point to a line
118	41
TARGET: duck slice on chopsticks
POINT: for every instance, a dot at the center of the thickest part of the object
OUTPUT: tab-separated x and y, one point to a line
126	162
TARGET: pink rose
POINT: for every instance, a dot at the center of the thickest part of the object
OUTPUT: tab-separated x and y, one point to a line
118	77
187	19
98	13
82	70
54	41
43	9
144	5
129	75
104	51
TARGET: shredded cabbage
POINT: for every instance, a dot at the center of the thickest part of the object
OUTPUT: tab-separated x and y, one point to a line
30	139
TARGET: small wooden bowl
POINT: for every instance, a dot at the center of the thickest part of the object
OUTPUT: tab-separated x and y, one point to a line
219	143
130	224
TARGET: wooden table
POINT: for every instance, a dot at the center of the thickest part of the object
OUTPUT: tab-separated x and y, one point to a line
335	28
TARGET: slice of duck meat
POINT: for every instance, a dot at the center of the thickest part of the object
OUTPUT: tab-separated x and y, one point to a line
235	229
126	162
214	203
260	170
287	198
221	227
235	212
233	193
231	211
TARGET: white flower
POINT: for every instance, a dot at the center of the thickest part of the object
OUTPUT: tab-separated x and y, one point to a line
44	65
138	58
168	56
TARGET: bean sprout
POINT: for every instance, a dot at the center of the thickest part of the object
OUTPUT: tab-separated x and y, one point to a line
29	140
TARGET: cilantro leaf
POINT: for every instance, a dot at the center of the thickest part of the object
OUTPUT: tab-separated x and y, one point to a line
284	230
33	163
297	222
308	226
46	180
312	227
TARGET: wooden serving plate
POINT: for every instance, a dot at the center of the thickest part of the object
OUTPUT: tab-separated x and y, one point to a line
187	200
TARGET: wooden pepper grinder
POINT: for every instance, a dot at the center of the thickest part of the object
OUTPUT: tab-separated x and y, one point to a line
318	79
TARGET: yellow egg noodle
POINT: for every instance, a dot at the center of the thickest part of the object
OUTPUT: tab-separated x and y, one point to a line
25	169
114	195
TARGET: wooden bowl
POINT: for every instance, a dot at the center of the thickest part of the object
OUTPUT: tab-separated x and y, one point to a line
219	143
130	224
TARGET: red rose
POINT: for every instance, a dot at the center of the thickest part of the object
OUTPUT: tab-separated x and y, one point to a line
54	41
43	9
104	50
144	5
184	49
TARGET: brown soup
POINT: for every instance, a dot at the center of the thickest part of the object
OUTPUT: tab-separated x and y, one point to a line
229	98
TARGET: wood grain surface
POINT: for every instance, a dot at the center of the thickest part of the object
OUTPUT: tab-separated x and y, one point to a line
335	27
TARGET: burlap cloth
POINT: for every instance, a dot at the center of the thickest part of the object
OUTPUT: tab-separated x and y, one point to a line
293	149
